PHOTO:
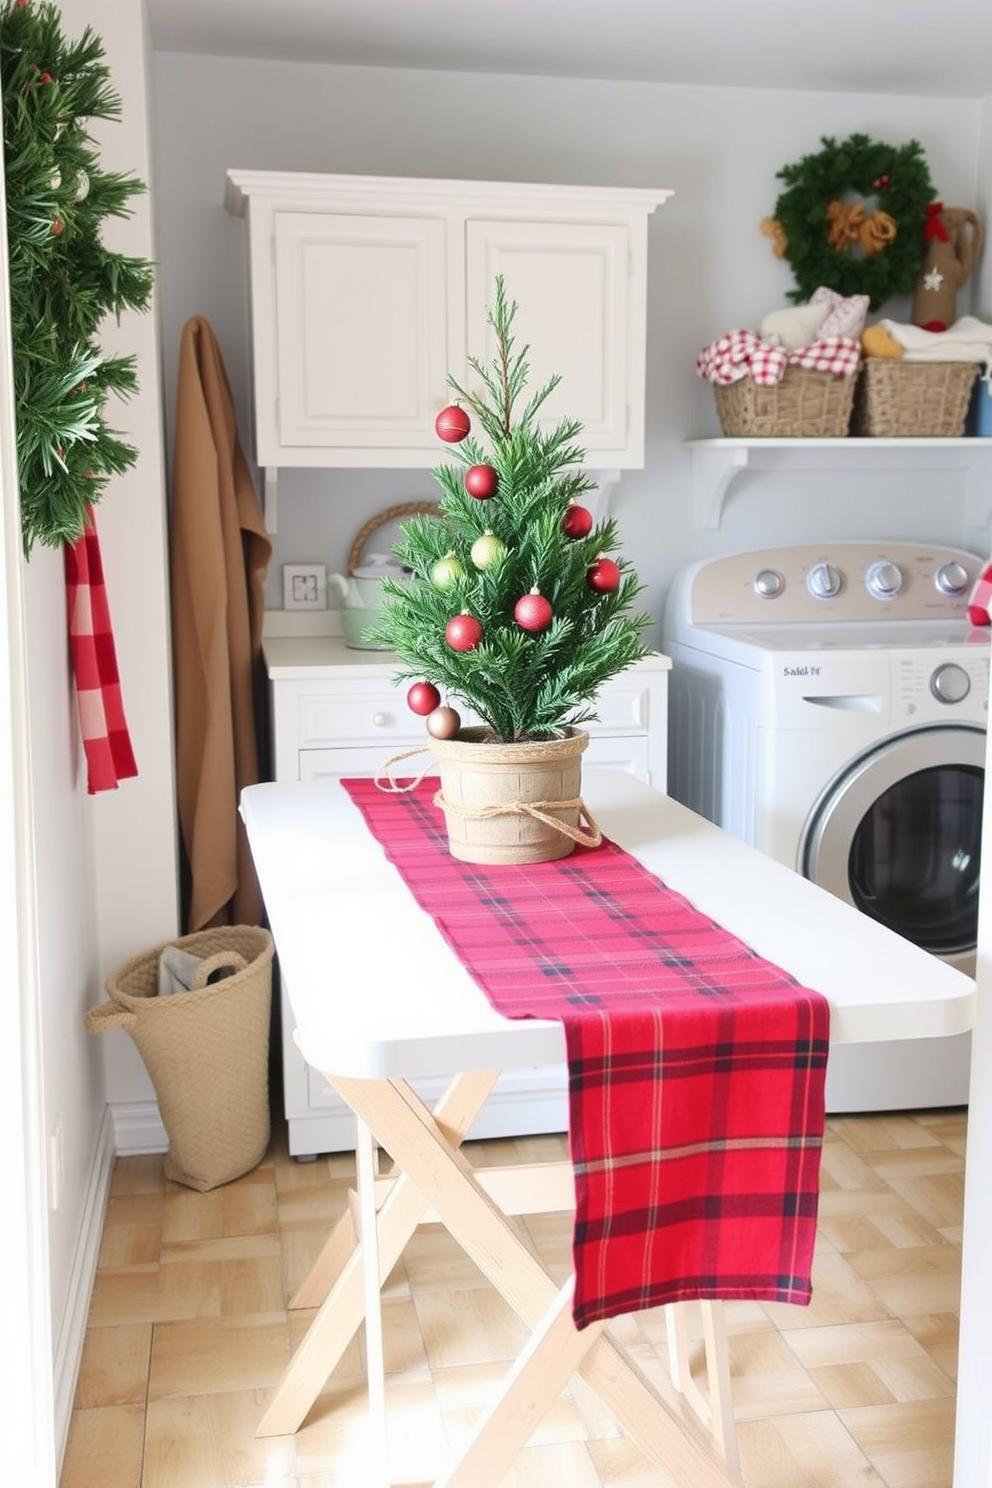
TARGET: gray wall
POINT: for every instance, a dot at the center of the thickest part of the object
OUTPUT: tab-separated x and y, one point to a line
710	268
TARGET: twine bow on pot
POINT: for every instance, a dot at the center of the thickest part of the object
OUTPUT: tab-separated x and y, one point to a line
526	792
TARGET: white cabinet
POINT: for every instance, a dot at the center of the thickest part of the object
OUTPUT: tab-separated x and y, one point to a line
335	712
366	291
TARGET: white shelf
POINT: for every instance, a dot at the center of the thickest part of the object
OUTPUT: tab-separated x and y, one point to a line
717	462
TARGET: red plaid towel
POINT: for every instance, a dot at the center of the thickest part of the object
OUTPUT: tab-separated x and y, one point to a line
743	354
696	1068
106	742
980	598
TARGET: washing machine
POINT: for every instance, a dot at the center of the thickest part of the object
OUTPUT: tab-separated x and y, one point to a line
828	705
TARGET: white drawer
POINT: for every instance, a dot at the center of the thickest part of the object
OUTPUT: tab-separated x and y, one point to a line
618	752
624	706
355	714
330	764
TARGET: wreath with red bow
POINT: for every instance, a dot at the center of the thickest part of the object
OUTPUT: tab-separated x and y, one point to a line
854	217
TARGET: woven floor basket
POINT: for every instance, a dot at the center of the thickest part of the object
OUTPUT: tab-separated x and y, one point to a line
896	398
206	1050
804	405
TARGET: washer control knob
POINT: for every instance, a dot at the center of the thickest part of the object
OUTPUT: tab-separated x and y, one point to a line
951	579
769	583
950	683
883	580
824	581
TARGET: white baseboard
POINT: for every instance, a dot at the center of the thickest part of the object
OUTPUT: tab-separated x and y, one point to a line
138	1128
72	1330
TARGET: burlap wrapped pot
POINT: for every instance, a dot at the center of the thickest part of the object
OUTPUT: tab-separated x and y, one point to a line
513	803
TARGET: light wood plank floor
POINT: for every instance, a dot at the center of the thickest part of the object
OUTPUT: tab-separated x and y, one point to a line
188	1329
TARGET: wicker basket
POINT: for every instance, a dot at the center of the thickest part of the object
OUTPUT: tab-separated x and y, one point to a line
803	405
901	399
382	519
206	1050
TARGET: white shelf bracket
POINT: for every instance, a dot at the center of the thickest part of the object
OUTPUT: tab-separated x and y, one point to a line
713	470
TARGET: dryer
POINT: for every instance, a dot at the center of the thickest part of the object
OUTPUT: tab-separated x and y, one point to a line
829	705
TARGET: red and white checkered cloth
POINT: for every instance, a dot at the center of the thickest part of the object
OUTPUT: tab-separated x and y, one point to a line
743	354
106	742
696	1068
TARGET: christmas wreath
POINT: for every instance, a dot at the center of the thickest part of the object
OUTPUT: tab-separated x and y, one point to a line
62	279
852	218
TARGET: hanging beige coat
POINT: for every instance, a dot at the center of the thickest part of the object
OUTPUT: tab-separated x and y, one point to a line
219	554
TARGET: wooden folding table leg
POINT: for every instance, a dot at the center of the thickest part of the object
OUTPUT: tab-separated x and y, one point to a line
375	1367
718	1382
455	1110
716	1406
404	1127
342	1311
553	1353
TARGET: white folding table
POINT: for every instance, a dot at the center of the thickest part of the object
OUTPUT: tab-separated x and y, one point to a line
379	1000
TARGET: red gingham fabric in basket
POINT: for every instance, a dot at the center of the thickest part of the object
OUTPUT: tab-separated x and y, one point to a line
106	741
743	354
696	1068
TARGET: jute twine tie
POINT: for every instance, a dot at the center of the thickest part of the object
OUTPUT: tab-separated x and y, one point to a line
542	811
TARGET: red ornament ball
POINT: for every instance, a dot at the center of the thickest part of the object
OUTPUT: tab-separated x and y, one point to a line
481	481
443	723
452	424
533	612
577	521
423	698
604	576
463	632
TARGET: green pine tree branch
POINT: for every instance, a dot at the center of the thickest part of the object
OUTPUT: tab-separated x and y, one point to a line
63	280
523	684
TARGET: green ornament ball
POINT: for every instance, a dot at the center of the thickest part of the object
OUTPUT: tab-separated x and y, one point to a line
487	549
446	571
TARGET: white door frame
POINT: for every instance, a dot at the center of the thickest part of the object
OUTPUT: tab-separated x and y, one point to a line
28	1425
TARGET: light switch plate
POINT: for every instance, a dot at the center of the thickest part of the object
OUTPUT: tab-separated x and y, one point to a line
304	586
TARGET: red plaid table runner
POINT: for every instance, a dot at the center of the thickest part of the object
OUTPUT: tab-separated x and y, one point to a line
106	741
696	1068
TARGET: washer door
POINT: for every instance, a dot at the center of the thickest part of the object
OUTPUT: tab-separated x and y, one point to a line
898	835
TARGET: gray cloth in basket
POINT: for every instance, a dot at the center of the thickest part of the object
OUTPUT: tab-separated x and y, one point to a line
177	968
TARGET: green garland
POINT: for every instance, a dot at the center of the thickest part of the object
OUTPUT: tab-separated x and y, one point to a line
62	279
893	179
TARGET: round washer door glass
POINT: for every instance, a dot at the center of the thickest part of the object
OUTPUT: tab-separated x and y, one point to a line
899	836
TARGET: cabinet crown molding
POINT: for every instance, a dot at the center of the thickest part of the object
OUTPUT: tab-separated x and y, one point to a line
314	190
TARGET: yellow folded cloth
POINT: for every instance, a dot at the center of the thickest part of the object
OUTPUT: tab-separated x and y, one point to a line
876	341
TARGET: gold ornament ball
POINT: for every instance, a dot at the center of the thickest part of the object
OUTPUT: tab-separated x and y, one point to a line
487	549
446	571
443	723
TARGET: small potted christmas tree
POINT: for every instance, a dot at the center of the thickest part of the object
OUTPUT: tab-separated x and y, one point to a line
516	609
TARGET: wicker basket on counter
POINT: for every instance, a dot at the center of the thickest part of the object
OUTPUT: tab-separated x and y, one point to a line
803	405
384	518
899	399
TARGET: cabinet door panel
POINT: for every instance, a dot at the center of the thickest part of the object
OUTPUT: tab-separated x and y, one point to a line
361	338
570	284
